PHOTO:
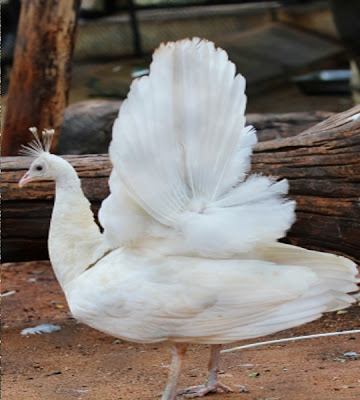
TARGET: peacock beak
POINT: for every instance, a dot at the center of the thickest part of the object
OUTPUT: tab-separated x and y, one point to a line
25	179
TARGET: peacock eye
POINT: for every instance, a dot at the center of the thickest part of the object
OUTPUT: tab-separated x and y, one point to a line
39	167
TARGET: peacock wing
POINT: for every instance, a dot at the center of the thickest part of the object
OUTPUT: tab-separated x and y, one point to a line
202	300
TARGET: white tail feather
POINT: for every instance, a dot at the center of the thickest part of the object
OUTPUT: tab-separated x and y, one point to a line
182	152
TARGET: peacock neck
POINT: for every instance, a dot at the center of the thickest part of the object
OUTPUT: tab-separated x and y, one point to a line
75	241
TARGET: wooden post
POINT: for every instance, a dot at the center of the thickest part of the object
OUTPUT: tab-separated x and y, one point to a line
41	74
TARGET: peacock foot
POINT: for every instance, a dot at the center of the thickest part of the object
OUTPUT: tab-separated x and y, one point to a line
202	390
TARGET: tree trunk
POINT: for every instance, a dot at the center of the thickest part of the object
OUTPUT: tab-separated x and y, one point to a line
322	165
41	74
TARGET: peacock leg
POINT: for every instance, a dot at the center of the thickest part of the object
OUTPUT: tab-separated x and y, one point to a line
212	383
178	351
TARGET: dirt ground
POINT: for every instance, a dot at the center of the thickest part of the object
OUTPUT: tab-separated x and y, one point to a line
78	362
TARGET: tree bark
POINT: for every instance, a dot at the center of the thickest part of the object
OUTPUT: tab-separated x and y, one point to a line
41	74
322	165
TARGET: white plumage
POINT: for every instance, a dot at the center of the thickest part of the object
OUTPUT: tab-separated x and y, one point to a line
196	300
181	152
189	252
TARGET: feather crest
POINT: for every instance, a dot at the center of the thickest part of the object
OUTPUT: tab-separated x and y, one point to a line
37	146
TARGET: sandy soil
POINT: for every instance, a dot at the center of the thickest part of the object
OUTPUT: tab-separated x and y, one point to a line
78	362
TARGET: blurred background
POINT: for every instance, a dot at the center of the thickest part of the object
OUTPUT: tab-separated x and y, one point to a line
296	55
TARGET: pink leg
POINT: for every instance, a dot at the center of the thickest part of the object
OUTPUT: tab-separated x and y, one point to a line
212	383
178	351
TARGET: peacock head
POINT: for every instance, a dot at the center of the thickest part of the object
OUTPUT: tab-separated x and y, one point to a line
44	167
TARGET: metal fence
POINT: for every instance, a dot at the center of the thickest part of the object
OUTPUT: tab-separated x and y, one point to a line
111	28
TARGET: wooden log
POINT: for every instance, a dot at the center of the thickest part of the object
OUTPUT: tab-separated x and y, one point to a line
88	124
41	73
322	165
276	126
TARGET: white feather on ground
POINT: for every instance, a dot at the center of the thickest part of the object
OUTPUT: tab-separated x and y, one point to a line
42	328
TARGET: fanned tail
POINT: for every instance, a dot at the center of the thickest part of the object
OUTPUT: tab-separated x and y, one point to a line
181	152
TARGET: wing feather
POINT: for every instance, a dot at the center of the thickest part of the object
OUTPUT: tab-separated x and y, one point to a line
202	300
